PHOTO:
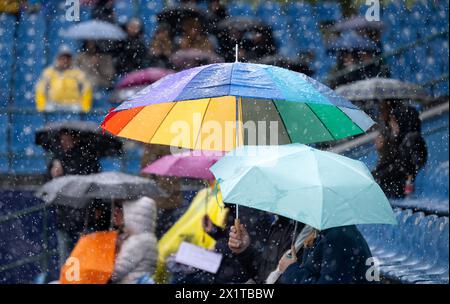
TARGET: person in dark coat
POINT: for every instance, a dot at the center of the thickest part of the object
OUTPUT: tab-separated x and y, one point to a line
71	158
337	256
260	261
402	152
132	52
258	224
231	270
104	11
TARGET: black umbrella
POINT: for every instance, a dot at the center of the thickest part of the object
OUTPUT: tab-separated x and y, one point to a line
78	191
242	24
90	136
189	58
296	65
357	23
176	15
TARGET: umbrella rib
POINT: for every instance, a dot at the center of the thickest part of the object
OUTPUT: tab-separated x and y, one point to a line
201	123
162	121
282	121
325	126
362	131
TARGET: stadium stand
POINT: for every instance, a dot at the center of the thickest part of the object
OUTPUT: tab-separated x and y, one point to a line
415	46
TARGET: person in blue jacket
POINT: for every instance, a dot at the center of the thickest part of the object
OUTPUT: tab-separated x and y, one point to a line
337	255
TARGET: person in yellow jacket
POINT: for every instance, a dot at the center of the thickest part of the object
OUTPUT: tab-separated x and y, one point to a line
189	228
63	87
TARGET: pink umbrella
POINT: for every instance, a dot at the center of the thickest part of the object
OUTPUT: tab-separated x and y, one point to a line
188	164
136	81
142	77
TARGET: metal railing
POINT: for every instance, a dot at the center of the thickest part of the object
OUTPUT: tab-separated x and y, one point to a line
43	257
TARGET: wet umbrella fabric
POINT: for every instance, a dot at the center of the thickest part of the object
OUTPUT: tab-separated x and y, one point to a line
227	94
90	135
94	30
318	188
382	89
79	190
189	58
184	165
357	23
351	41
133	82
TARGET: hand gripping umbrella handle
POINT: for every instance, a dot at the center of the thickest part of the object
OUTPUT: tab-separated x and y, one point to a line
237	225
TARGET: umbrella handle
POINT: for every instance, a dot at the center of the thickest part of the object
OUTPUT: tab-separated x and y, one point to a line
237	225
293	251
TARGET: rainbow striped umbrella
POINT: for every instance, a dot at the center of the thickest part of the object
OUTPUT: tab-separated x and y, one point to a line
217	106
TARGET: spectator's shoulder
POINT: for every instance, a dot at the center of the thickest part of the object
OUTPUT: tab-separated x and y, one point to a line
48	71
76	72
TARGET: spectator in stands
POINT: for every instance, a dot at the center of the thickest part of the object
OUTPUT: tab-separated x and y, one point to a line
403	152
258	224
10	6
98	216
331	256
194	36
161	47
104	10
132	52
357	59
259	263
71	159
258	44
63	87
218	12
137	244
98	67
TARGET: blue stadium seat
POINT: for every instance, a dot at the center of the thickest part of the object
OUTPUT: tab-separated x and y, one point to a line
24	127
270	12
148	11
23	163
124	10
417	240
433	262
396	251
101	99
3	133
432	181
31	55
240	8
57	116
111	164
328	11
7	32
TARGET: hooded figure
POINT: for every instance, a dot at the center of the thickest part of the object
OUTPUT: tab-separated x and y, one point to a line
137	245
405	153
336	256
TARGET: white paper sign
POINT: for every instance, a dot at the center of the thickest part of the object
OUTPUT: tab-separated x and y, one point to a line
198	257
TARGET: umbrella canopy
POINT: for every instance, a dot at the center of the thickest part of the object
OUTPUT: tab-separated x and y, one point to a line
79	190
94	30
176	15
90	136
188	164
189	58
318	188
352	41
206	103
136	81
142	77
357	23
382	89
242	24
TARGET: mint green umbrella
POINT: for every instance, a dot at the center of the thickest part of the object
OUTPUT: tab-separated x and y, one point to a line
318	188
